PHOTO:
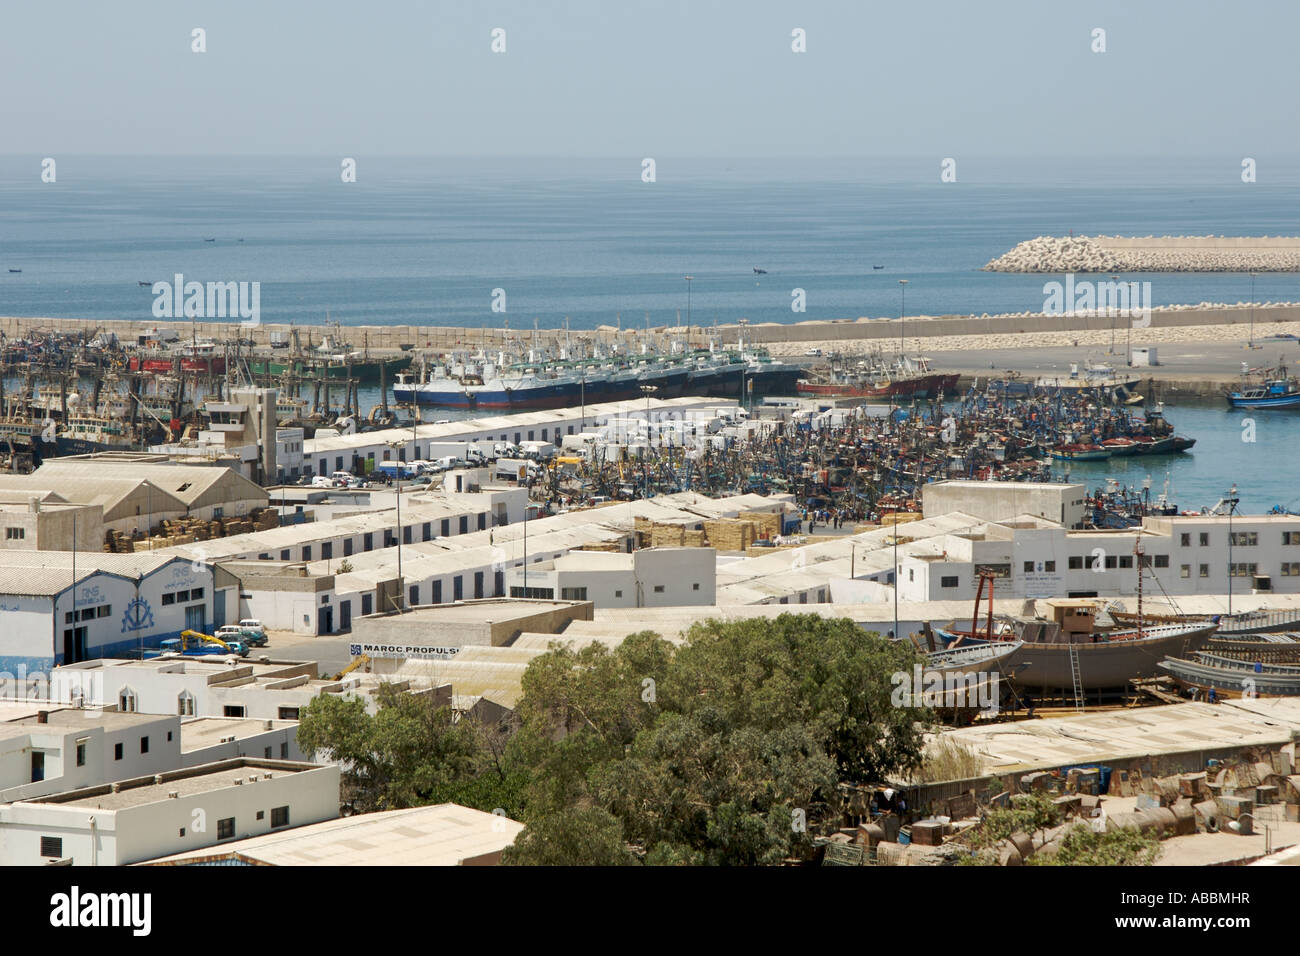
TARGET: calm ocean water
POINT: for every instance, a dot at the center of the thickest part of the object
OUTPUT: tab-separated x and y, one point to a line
427	242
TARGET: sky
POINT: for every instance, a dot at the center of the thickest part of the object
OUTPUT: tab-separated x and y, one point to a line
652	78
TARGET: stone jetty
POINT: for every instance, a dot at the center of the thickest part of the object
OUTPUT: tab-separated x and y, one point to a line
1123	254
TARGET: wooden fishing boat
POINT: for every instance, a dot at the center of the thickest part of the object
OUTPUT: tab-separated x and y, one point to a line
1231	681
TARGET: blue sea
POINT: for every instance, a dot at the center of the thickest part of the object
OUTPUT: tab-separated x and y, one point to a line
427	241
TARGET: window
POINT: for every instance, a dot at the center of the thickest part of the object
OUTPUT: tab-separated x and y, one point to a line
234	710
288	713
1205	539
52	847
1111	562
1242	570
573	594
464	524
413	596
326	550
1290	569
1291	537
225	828
279	816
1205	570
1245	539
168	599
445	528
1162	560
1029	567
306	552
1049	567
15	534
185	704
457	588
618	594
261	814
1076	562
1126	560
1185	539
117	751
144	745
659	589
266	753
367	604
126	700
81	753
284	750
695	586
1185	571
948	581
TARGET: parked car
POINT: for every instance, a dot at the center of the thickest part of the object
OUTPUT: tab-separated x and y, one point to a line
254	631
323	481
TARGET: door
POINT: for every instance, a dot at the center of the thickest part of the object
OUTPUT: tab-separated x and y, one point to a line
345	616
325	621
196	618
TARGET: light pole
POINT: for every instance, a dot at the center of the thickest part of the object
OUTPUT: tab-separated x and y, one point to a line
1112	321
902	322
1251	344
647	391
897	576
688	300
1232	506
396	445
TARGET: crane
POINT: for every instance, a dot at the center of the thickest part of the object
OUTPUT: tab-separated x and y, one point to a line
356	662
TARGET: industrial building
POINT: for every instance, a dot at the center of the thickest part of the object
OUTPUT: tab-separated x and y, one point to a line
60	607
156	815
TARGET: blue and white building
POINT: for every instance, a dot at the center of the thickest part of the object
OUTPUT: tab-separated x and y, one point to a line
60	607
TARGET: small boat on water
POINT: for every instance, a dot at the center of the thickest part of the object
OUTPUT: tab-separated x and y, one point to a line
1276	389
1080	451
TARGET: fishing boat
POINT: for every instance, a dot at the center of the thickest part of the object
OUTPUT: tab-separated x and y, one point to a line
1277	389
876	379
1080	451
1069	650
1232	678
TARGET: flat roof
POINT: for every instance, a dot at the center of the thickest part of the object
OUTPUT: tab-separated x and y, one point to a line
486	611
208	778
441	835
202	732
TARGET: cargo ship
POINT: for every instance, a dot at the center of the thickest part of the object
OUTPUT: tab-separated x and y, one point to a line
874	379
537	379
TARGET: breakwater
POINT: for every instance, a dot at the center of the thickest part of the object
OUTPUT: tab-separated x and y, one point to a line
1127	254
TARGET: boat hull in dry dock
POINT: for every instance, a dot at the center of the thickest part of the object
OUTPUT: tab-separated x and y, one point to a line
1107	663
1230	682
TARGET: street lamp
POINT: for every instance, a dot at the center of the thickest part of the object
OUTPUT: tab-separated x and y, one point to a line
897	576
647	391
397	445
1251	344
1112	322
902	322
1231	501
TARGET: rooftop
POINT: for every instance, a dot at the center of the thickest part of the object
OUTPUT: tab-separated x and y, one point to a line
208	778
442	835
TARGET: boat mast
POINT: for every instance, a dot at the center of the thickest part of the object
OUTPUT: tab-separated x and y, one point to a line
1137	550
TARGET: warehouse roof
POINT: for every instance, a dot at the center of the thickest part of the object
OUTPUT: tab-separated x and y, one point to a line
443	835
196	485
467	428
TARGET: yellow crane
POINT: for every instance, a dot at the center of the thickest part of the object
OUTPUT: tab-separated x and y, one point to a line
357	662
193	638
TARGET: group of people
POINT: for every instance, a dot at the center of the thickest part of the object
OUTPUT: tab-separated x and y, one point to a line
832	517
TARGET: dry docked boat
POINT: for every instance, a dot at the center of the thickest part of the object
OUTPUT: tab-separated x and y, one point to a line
1069	650
1233	678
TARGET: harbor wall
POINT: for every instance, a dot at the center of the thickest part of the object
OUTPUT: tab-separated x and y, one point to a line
435	337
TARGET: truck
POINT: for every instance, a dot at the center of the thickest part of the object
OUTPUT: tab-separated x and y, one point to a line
515	469
395	469
538	450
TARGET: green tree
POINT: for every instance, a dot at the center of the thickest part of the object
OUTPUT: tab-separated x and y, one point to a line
586	836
